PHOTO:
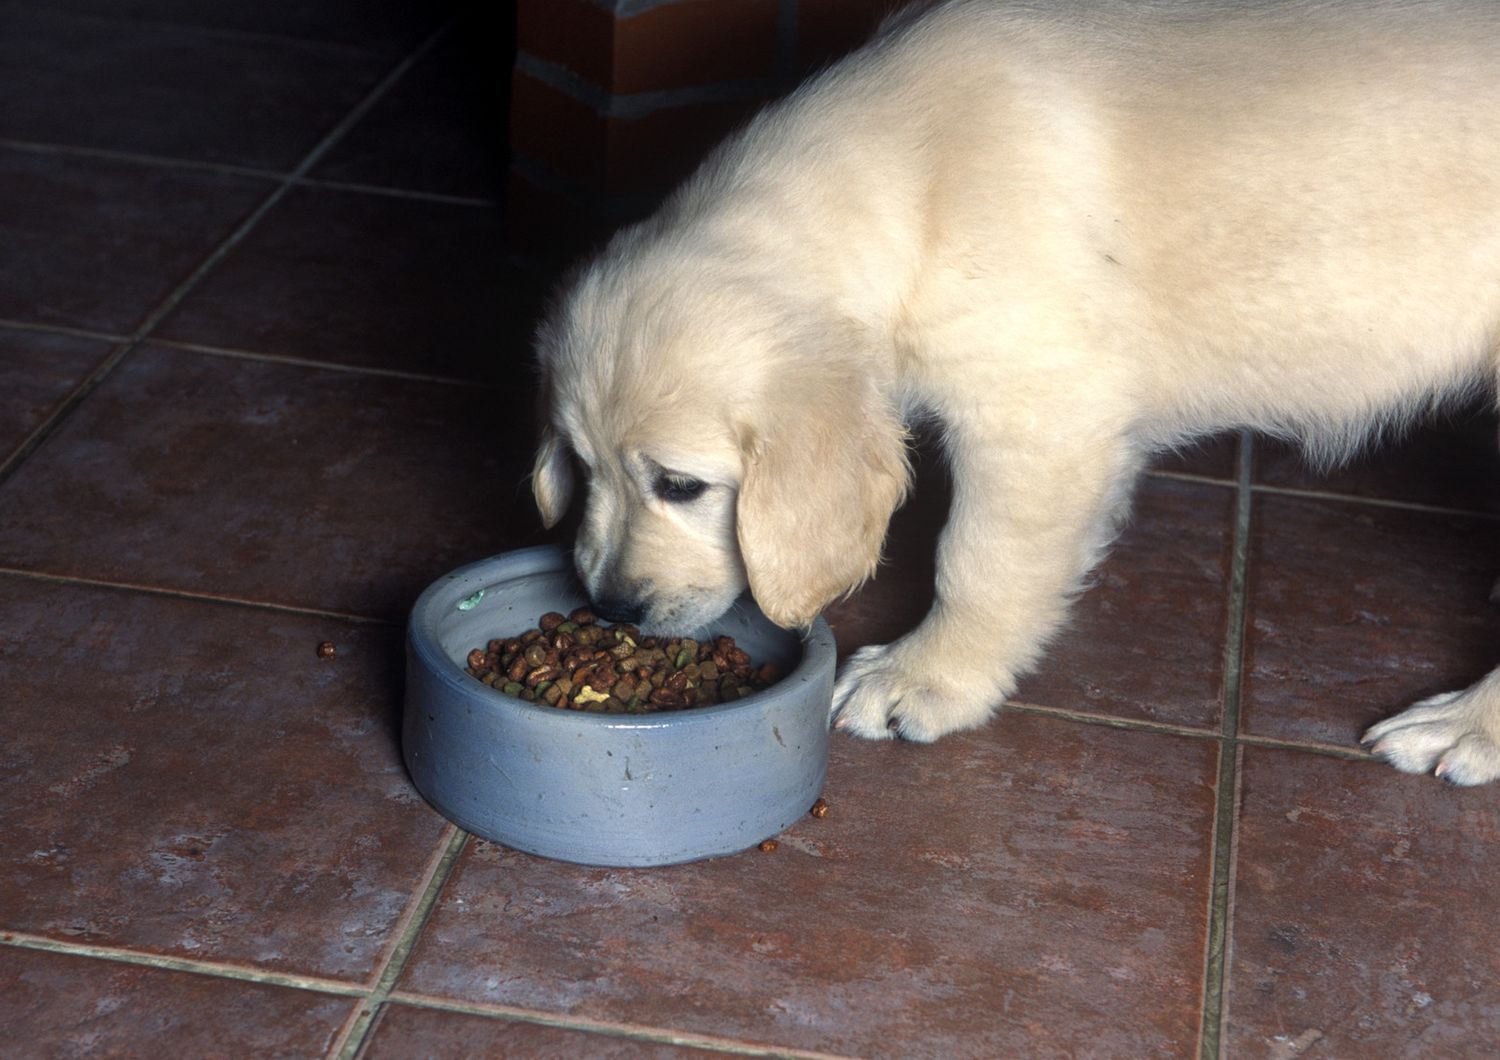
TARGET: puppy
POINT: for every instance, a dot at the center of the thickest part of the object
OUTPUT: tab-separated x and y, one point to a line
1072	236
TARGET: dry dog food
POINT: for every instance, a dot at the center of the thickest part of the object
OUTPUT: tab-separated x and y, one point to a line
326	650
575	662
819	809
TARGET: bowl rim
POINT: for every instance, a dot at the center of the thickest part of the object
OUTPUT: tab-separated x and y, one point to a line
817	641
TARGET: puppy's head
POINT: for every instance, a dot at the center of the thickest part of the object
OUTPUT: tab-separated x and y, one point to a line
724	442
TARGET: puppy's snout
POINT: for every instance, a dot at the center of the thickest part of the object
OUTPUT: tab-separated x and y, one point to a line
618	609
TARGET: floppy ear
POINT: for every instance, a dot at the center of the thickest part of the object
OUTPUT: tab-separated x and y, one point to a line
822	479
552	478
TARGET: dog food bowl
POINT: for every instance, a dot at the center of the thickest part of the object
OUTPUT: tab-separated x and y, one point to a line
605	789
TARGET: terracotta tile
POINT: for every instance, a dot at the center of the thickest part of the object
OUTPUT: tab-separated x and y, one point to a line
388	26
1035	888
1355	611
1364	913
1450	464
407	1031
255	101
1213	457
369	280
96	244
288	484
1146	640
37	371
444	126
901	592
53	1004
191	778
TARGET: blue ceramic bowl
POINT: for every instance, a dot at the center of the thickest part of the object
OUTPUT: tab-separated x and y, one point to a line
605	789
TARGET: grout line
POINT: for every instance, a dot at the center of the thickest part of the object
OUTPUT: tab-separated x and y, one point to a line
1110	720
1189	476
231	169
435	873
1328	750
332	366
635	1032
1216	943
106	154
63	409
218	969
1329	495
62	329
351	1036
1376	502
187	594
1225	806
70	401
398	193
1234	858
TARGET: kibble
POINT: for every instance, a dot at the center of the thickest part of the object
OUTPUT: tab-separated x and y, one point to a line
768	845
326	650
819	809
574	662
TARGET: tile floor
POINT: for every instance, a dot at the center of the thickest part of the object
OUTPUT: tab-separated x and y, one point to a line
262	354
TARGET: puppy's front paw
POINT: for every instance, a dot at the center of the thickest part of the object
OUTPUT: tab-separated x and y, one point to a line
1456	736
881	693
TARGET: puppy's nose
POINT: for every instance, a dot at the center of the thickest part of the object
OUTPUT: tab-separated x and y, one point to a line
615	609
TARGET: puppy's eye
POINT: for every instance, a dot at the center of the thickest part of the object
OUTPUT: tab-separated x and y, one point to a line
679	488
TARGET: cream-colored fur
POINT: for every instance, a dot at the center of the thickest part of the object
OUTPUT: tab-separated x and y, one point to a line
1071	235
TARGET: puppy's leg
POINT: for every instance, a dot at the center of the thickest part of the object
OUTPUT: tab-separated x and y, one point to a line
1455	735
1035	503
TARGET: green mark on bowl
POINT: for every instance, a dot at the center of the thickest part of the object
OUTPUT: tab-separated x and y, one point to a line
468	603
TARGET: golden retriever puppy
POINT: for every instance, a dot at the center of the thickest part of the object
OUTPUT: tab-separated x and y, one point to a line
1071	235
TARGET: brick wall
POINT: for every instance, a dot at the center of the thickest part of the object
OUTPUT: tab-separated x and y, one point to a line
615	101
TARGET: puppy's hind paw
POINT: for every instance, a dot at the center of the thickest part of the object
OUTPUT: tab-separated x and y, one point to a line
1453	736
879	696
